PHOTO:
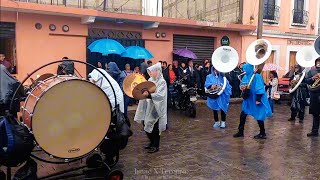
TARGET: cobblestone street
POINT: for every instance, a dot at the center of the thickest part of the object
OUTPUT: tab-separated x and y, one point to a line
192	149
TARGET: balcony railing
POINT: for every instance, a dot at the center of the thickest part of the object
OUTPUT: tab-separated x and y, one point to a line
271	13
102	5
300	17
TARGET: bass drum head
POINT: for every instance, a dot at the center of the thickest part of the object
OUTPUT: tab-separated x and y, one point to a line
71	119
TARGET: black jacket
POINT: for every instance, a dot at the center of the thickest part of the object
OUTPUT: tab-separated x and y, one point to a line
314	95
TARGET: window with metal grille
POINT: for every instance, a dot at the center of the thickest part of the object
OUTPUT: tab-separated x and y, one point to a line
300	15
271	12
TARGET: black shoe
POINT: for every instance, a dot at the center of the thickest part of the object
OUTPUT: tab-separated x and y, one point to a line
291	119
313	134
238	134
153	150
260	136
148	147
300	121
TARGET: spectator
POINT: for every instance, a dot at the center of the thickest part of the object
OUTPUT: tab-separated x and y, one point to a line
149	63
176	68
194	76
115	72
136	69
143	70
164	65
126	98
272	88
99	65
5	62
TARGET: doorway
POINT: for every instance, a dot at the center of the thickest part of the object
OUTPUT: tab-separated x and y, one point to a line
8	44
265	74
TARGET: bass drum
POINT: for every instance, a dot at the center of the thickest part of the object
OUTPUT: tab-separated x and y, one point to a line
69	117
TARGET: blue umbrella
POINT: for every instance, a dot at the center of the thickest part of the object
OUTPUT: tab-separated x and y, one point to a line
137	52
106	47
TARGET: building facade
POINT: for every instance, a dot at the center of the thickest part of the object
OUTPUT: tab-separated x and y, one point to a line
288	25
35	32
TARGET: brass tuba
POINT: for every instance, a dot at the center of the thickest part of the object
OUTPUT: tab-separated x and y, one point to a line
316	85
305	58
257	53
224	59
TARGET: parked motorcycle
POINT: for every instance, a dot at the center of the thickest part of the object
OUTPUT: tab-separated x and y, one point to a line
184	98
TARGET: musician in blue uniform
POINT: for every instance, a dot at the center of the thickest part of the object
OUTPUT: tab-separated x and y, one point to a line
218	103
255	103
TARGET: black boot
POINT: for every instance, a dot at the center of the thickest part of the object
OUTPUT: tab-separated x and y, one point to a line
313	134
291	119
153	150
238	134
243	117
151	141
260	136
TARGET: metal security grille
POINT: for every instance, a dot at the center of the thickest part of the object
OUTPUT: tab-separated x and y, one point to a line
203	47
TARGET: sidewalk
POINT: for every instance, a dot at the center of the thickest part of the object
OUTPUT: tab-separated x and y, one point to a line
199	102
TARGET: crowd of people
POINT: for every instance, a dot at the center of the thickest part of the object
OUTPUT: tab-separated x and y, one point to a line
258	102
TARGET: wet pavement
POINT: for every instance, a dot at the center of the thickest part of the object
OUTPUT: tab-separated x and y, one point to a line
192	149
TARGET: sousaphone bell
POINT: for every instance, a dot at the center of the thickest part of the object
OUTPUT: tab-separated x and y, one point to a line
306	58
257	53
224	59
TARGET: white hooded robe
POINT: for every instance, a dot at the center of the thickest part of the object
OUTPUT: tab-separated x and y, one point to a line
155	109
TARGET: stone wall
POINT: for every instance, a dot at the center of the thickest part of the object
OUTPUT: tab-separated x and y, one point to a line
121	6
205	10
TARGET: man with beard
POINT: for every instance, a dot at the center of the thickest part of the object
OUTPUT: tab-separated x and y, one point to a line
314	75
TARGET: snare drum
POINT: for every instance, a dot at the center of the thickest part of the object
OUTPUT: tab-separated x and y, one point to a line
69	117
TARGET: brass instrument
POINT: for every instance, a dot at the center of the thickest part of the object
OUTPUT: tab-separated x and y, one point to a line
131	81
257	53
305	58
135	84
224	59
316	84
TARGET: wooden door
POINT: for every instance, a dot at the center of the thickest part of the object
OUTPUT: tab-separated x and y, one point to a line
292	60
265	74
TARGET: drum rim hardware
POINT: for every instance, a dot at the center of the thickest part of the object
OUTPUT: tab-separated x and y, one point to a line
48	64
34	108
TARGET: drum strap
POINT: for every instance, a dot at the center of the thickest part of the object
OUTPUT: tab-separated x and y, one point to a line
7	134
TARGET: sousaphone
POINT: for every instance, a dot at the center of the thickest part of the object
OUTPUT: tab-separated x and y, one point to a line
224	59
306	58
257	53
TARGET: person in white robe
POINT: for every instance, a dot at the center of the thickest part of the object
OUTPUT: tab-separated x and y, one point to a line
152	111
96	77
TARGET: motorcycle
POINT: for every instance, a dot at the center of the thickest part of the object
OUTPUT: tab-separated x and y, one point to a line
184	98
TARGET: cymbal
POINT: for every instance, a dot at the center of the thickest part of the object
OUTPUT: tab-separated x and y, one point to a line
131	81
140	88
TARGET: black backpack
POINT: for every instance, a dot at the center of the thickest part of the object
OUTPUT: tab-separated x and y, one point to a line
16	143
